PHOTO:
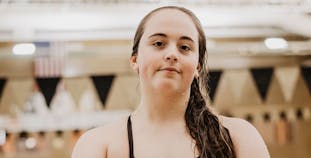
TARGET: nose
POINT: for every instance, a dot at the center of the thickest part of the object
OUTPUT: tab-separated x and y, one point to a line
171	55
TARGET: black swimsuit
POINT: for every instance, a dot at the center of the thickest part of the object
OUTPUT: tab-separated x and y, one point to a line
130	137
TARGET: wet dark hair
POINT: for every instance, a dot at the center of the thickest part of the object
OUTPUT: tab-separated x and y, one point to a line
211	138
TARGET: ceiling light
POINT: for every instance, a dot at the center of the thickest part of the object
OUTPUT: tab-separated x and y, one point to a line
24	49
276	43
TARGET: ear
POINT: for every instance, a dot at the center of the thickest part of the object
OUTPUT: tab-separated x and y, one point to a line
198	68
196	73
133	62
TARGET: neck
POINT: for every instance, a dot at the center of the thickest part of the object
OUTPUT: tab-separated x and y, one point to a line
159	107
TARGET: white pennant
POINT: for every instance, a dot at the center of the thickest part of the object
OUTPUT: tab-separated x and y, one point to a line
275	94
288	77
224	95
127	88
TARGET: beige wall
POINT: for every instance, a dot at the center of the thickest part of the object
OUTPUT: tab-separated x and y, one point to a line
236	94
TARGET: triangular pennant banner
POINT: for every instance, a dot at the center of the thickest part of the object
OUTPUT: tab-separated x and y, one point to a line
82	89
306	73
224	91
262	79
301	95
48	87
102	84
237	80
2	84
213	80
126	86
275	94
244	88
287	82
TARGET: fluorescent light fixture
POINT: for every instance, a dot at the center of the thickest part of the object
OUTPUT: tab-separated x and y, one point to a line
24	49
276	43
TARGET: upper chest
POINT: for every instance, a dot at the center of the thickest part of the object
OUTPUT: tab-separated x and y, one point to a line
152	146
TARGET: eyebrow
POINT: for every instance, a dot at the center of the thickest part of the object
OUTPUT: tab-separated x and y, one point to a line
164	35
186	38
158	34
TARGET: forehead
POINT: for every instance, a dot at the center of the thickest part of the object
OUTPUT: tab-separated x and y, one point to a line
171	22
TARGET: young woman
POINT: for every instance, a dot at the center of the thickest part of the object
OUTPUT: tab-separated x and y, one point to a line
173	119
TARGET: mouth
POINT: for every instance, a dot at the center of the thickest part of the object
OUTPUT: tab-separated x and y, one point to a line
170	69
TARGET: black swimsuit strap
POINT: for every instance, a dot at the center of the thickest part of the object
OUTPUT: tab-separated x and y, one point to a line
130	136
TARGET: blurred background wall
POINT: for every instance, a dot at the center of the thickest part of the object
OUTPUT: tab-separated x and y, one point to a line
64	68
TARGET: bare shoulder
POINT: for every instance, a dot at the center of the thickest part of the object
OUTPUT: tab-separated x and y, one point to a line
94	142
245	137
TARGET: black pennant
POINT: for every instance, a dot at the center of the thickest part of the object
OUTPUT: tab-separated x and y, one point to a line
262	79
2	84
306	73
213	80
48	87
102	84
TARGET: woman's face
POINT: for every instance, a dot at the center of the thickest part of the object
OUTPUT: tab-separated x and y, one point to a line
167	57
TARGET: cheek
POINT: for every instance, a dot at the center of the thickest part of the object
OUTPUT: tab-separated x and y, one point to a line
143	70
146	63
189	69
189	72
191	64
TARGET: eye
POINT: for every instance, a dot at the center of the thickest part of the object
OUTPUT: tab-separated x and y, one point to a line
158	44
185	48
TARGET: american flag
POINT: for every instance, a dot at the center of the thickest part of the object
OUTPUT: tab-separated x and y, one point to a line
49	59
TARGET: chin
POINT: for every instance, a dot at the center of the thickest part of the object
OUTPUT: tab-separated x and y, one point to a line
166	86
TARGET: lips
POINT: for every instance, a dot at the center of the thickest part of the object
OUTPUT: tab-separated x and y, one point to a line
173	69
